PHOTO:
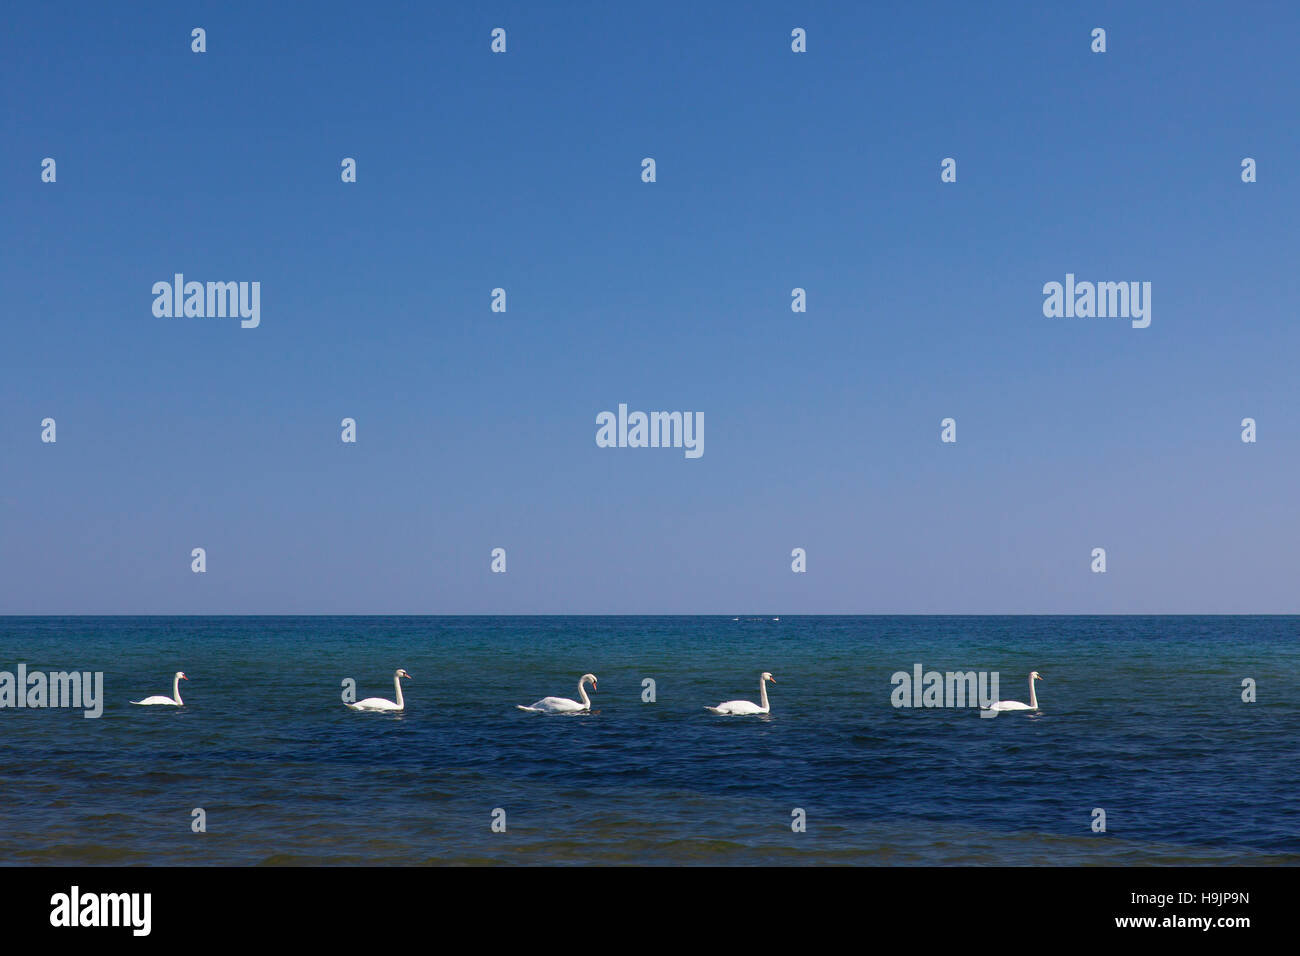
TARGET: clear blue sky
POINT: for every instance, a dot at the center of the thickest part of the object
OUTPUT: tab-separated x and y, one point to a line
775	170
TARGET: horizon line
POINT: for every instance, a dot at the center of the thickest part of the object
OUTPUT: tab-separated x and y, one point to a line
665	614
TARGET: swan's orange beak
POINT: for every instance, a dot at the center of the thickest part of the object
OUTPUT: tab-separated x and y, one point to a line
772	679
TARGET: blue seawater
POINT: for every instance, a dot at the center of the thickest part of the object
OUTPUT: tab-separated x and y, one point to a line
1140	716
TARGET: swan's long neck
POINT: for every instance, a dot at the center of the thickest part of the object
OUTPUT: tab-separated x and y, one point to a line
762	694
582	692
1033	695
176	689
397	683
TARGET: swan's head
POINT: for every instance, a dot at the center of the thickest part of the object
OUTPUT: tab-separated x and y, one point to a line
589	677
767	676
180	675
401	672
1034	675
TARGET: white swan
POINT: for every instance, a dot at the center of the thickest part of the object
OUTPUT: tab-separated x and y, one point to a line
174	700
562	705
1017	705
745	706
378	703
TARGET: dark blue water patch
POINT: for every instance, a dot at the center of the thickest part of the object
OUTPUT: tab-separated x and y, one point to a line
1140	716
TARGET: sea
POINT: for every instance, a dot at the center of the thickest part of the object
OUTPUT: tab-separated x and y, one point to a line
1158	740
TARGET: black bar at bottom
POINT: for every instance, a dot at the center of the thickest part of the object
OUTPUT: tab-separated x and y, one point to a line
541	906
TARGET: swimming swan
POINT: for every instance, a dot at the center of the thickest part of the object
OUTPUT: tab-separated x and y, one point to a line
174	700
562	705
1017	705
378	703
744	706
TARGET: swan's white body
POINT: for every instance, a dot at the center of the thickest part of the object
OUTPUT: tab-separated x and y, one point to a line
173	701
1018	705
563	705
378	703
745	706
